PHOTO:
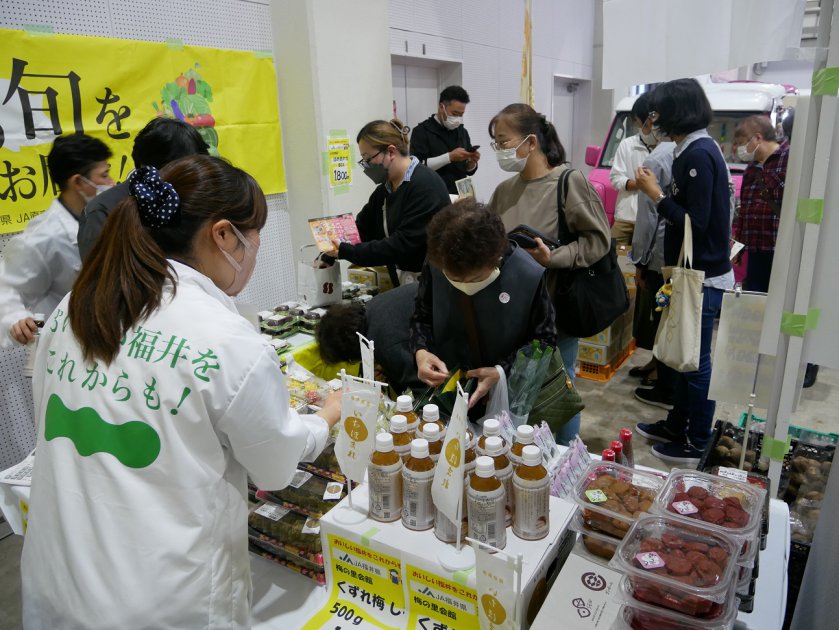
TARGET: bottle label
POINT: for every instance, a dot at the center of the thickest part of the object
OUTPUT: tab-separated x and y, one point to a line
505	476
487	512
444	529
417	505
531	520
385	483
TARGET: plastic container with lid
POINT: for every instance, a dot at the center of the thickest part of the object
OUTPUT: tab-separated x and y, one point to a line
495	450
486	505
417	477
725	506
677	565
401	436
405	407
431	433
612	496
491	428
384	475
524	437
596	543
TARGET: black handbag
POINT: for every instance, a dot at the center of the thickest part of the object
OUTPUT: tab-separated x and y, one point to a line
587	299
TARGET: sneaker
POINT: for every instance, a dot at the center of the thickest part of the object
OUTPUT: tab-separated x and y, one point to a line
654	397
677	453
810	375
658	431
641	371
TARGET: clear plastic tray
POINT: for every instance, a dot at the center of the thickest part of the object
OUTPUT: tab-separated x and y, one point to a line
639	615
596	543
677	565
612	496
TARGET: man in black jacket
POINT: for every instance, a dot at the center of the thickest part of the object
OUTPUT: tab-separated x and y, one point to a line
442	143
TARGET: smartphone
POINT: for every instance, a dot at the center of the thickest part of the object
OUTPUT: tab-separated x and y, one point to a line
474	148
526	237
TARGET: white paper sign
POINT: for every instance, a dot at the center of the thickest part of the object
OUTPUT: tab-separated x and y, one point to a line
368	360
357	435
496	586
447	487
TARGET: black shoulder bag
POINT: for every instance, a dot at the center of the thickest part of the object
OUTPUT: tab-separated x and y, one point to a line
587	299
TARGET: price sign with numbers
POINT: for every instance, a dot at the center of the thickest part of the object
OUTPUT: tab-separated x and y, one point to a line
338	152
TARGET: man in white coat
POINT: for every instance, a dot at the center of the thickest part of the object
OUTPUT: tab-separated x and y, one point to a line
40	265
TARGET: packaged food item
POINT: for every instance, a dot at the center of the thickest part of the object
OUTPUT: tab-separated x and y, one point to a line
599	544
405	407
417	477
491	428
626	441
325	465
307	493
531	496
486	504
495	449
756	479
384	474
524	436
725	506
676	565
613	496
274	554
401	437
293	532
431	433
431	415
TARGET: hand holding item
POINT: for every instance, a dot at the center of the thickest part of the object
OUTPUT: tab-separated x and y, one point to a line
487	378
647	183
541	253
331	409
430	369
23	331
334	252
472	162
460	154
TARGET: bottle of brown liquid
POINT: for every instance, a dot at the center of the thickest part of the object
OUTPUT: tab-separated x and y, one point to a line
405	407
401	437
431	433
491	428
524	436
417	477
531	494
384	474
431	415
504	471
486	505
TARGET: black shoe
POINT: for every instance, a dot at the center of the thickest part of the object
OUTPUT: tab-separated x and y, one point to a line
658	431
677	454
649	381
810	375
641	371
654	397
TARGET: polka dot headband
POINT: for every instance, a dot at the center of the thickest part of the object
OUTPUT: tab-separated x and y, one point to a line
157	200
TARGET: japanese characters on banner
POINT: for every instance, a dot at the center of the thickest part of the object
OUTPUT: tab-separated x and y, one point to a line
110	88
366	589
338	152
447	488
496	580
435	603
357	433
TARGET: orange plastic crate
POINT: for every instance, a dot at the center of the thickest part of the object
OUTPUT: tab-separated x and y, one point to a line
603	373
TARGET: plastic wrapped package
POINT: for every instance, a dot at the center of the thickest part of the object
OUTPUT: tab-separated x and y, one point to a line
755	479
283	527
596	543
325	465
274	554
307	493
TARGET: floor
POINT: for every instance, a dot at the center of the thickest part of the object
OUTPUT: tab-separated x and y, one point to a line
609	406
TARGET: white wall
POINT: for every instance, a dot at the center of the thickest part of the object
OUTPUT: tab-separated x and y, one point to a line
484	39
797	73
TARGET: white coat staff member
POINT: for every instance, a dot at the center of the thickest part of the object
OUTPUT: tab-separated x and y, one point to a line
40	264
154	398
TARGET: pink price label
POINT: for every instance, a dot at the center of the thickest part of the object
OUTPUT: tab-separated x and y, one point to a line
685	507
649	560
596	496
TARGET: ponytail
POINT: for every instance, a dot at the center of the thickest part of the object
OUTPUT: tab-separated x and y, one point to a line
527	121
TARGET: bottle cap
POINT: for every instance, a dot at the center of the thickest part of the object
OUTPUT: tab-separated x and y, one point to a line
484	466
430	413
419	448
531	455
617	447
626	435
494	446
492	427
431	432
608	455
404	403
398	424
384	442
524	434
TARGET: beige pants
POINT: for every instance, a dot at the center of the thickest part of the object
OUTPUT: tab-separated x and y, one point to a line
622	232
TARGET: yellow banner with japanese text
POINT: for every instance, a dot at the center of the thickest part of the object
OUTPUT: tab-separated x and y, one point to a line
110	88
436	603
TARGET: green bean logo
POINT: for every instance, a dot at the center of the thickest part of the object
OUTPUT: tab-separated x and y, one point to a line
135	444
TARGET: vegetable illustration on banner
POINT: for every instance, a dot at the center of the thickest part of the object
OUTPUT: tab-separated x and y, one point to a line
356	437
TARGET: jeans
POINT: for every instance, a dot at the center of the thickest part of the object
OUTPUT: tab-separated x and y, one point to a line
568	347
693	414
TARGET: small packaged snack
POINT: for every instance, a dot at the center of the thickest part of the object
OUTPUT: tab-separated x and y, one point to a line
672	564
283	527
325	465
275	554
307	493
596	543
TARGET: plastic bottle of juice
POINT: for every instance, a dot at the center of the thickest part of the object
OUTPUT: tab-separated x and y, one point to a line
491	428
531	494
401	437
503	470
431	433
486	505
405	407
417	477
524	436
384	474
444	528
431	415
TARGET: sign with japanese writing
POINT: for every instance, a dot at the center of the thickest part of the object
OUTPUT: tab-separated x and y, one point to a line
110	88
357	429
435	603
497	592
447	488
340	171
366	589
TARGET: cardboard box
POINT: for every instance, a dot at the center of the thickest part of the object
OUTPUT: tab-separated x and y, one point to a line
372	277
582	598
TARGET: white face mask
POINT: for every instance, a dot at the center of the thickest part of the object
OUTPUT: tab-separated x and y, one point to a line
451	122
744	155
100	188
649	138
244	270
509	161
471	288
660	136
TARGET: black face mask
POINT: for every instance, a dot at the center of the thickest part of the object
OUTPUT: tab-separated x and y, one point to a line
376	172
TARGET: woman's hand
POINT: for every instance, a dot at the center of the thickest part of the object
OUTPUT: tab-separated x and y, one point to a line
334	252
23	331
331	409
541	254
430	369
647	183
487	377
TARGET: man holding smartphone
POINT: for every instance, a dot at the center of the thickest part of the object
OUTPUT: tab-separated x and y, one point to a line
441	141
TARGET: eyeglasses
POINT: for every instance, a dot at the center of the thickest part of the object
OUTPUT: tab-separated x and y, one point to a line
366	163
653	117
498	146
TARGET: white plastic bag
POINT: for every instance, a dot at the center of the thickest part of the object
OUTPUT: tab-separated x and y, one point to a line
498	407
317	283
